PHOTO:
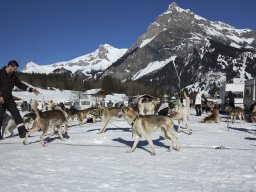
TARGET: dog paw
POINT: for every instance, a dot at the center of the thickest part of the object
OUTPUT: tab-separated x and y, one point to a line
44	144
177	148
153	153
129	151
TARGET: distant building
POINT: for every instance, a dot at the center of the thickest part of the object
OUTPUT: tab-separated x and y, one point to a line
237	89
97	93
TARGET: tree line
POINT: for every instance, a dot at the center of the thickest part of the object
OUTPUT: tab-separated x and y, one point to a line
76	83
107	83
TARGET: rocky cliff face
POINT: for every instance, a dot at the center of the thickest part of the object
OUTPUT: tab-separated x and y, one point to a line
181	48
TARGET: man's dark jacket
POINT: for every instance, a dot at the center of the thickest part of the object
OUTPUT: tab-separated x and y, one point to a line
7	83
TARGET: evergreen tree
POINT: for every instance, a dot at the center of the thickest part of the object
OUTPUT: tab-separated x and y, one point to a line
108	84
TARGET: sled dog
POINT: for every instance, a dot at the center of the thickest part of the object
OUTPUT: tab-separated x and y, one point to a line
97	112
85	114
71	113
253	115
44	119
8	124
29	118
214	117
107	114
182	113
142	126
148	107
234	112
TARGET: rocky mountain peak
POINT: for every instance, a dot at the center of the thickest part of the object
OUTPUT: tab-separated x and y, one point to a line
62	71
173	6
103	51
182	48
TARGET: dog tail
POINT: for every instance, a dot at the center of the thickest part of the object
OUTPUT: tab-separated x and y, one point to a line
34	105
140	102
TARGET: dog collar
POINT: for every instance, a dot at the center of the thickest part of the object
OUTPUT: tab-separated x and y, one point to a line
134	120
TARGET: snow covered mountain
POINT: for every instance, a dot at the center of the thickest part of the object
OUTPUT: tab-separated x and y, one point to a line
181	48
88	65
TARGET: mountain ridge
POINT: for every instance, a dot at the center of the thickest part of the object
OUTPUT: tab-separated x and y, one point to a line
178	50
198	45
98	61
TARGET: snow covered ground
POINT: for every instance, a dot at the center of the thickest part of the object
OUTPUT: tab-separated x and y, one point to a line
211	159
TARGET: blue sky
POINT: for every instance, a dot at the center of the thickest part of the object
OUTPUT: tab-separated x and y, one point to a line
49	31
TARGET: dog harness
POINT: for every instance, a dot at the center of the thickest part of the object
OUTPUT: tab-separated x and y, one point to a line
134	120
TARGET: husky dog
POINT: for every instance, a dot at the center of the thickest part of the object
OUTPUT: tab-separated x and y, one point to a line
253	114
148	107
51	105
234	112
97	112
143	125
214	117
44	119
8	124
107	114
71	113
182	113
29	118
85	114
